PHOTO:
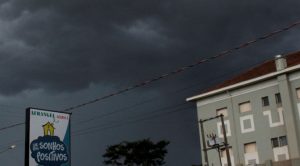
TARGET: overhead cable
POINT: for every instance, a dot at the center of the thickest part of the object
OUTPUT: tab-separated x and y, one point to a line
174	72
184	68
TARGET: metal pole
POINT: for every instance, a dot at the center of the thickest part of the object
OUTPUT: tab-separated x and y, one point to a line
225	141
204	143
219	155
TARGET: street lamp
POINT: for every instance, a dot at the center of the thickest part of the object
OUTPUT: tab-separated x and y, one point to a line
12	146
9	148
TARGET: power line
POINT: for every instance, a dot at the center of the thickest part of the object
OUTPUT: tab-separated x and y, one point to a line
11	143
11	126
159	110
111	113
184	68
97	127
118	110
107	126
141	103
174	72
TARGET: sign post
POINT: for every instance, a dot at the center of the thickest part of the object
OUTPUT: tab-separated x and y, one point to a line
48	139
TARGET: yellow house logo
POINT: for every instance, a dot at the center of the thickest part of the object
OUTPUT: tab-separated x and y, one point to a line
48	129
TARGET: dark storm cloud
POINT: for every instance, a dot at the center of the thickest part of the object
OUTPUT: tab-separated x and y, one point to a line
49	47
64	45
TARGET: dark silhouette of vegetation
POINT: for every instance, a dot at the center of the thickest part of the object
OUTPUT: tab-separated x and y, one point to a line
137	153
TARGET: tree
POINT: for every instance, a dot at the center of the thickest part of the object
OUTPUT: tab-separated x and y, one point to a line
140	153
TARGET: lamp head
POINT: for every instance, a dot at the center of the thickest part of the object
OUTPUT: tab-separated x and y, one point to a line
13	146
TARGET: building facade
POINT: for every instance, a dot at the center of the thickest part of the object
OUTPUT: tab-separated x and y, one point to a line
261	109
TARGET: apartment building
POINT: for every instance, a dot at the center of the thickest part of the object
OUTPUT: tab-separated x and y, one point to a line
261	109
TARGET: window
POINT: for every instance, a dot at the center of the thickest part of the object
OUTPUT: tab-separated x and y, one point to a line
247	124
222	111
279	141
227	129
245	107
275	142
298	92
251	155
265	101
283	141
250	147
278	98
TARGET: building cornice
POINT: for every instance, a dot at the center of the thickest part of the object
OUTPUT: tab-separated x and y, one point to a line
244	83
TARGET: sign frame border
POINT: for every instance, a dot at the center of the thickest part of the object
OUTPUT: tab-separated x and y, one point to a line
27	132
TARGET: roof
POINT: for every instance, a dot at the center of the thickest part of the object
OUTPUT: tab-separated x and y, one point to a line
263	69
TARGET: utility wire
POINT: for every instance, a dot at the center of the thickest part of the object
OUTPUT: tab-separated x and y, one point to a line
145	101
211	80
184	68
106	126
11	126
111	113
152	99
12	143
96	128
121	109
160	110
174	72
130	107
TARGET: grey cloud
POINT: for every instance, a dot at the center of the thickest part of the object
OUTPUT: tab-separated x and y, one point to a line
57	53
58	45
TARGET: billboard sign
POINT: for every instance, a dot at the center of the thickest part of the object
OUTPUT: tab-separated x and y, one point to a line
48	140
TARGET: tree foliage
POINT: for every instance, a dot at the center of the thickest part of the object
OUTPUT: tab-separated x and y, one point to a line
137	153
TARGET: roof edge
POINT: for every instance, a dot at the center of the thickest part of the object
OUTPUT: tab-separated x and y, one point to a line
244	83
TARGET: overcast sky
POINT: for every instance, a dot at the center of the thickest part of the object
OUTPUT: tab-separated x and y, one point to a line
56	54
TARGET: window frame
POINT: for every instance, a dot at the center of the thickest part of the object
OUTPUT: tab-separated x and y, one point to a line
275	142
278	98
265	101
280	141
250	143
